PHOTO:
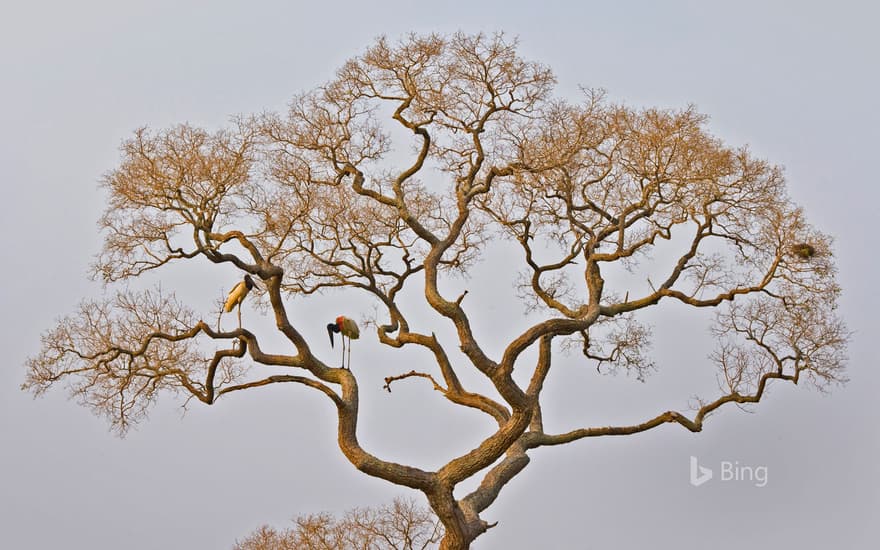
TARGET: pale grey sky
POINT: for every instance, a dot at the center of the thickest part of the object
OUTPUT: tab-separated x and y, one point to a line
798	81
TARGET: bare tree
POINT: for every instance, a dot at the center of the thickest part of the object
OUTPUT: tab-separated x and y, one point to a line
318	199
402	525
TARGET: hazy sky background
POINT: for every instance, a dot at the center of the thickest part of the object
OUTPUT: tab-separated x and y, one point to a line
798	81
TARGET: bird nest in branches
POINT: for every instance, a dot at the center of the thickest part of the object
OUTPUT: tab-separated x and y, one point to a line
804	251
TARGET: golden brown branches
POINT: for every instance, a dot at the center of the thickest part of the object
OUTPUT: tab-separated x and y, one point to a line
401	525
411	374
168	181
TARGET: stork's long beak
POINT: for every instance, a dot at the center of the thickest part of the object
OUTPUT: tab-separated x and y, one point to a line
330	331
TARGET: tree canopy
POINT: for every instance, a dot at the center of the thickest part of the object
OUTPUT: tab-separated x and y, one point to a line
395	176
401	525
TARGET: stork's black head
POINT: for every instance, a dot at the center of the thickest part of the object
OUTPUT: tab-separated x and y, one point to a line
331	328
248	282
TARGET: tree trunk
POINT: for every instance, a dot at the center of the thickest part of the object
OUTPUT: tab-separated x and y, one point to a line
452	541
457	534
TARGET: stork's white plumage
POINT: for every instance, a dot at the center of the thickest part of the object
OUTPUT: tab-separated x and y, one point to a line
235	297
238	293
349	329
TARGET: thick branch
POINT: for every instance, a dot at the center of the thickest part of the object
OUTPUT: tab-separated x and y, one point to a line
286	378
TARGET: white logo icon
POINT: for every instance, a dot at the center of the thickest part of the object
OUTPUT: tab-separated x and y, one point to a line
699	474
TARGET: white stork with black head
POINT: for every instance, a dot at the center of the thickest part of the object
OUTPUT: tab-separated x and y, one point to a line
349	329
236	296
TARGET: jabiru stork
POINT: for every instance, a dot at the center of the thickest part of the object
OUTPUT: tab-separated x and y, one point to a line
236	297
349	329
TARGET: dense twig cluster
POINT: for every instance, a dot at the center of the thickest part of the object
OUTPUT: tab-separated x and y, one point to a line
402	525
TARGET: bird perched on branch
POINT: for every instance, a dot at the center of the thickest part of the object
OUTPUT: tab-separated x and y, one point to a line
349	329
236	297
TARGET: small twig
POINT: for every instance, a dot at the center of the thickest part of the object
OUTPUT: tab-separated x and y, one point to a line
410	374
